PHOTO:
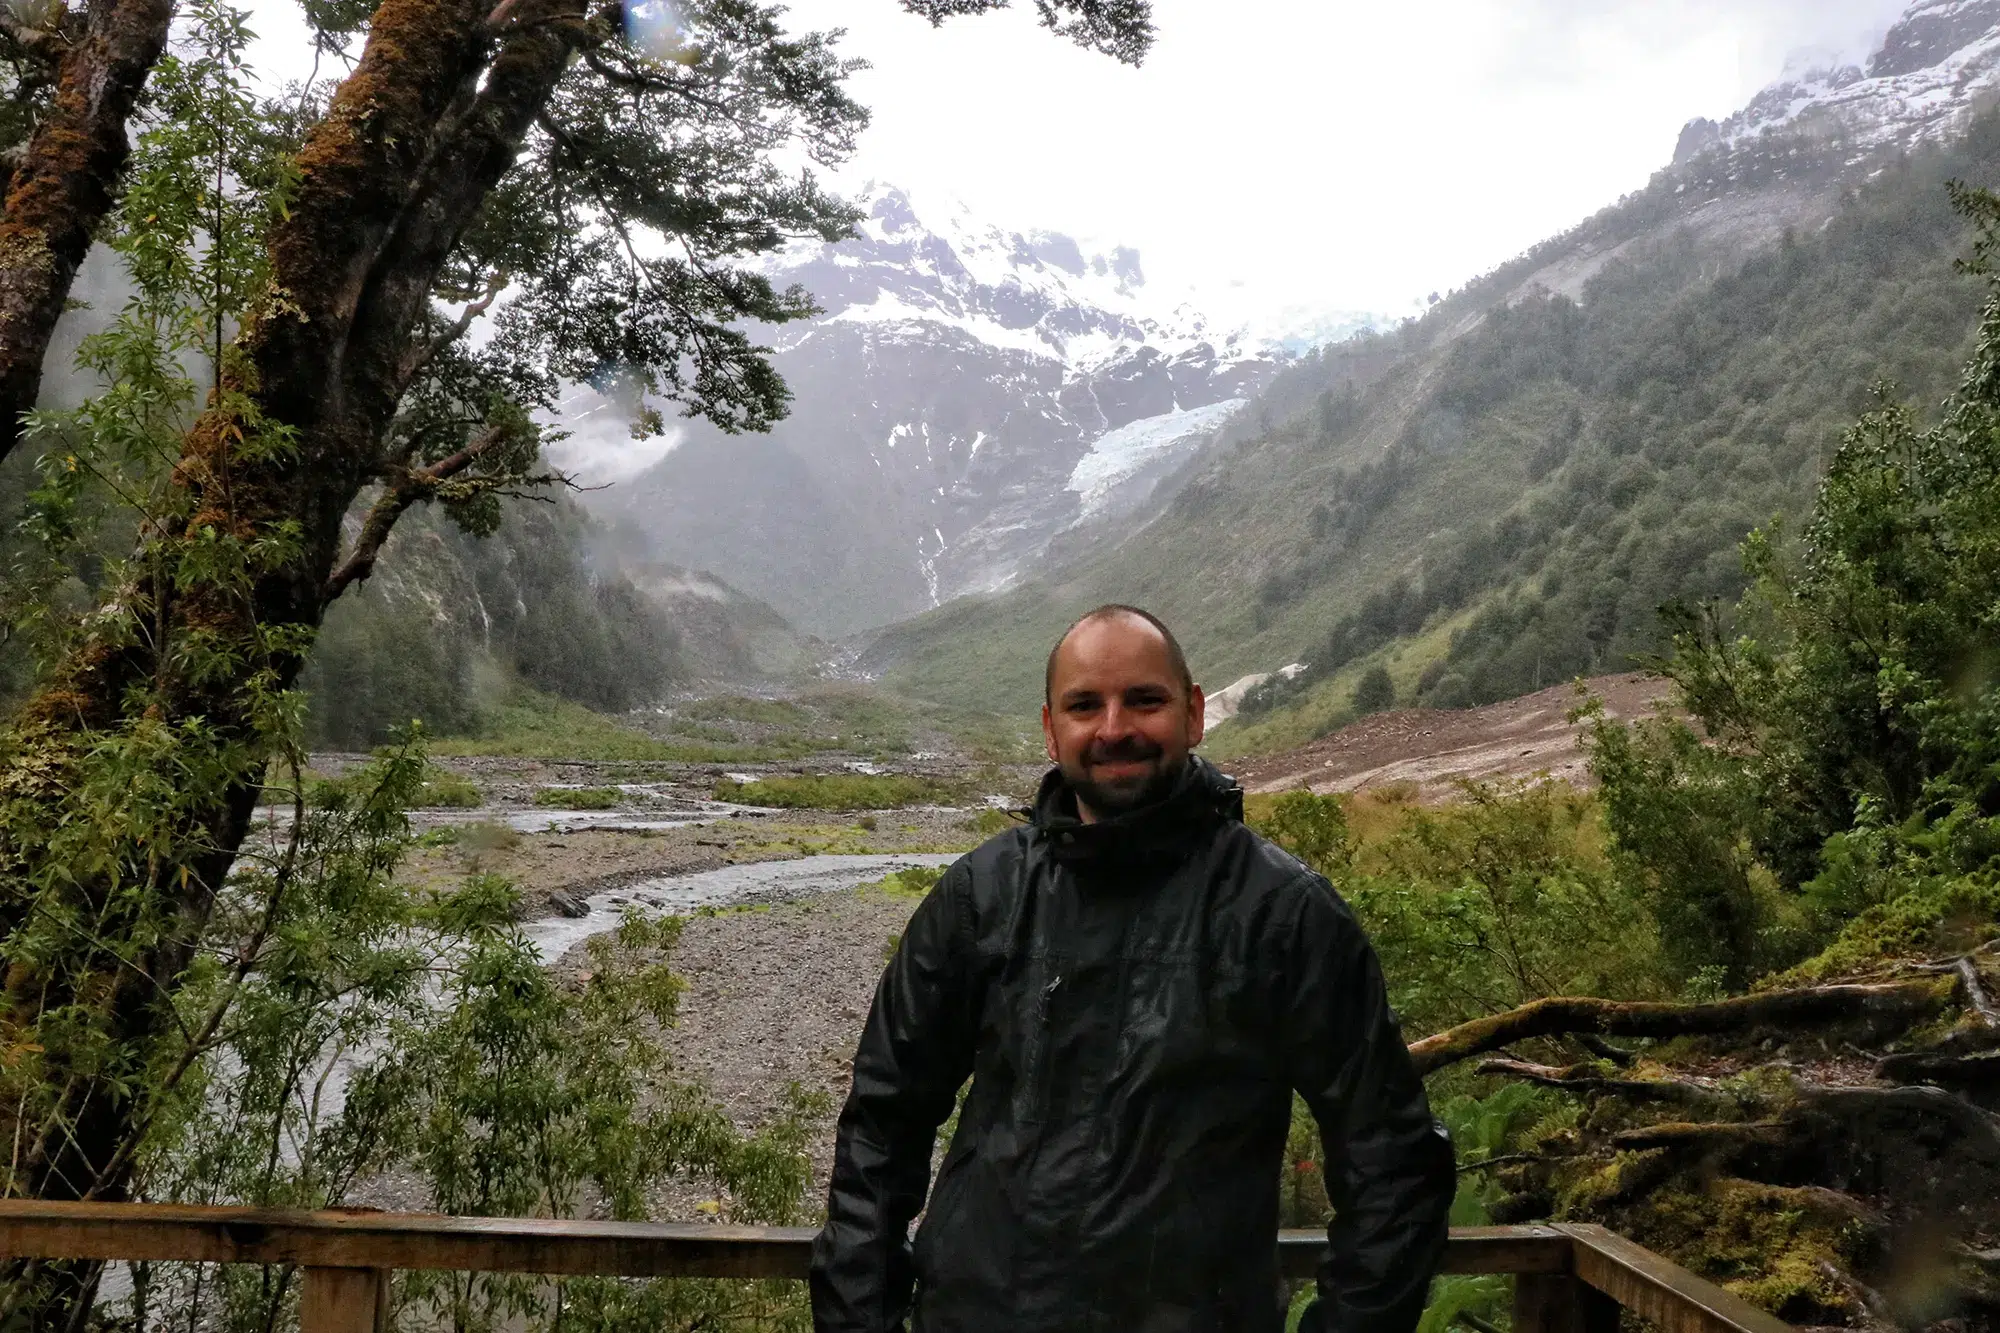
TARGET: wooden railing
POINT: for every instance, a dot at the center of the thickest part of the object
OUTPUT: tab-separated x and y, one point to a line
1570	1278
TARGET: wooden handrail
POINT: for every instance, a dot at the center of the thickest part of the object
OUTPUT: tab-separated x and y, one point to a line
1572	1278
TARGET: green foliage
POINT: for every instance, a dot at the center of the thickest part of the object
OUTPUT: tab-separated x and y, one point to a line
1677	811
580	798
1504	896
1851	796
443	789
912	882
344	1026
1374	691
1312	828
841	791
207	163
538	726
989	823
1498	899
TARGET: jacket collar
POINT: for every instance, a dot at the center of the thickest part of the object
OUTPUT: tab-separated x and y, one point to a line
1203	798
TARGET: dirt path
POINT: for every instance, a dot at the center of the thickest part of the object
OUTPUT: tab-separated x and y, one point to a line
1433	748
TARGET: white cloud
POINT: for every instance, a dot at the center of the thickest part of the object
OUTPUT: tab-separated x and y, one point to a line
1292	152
1355	154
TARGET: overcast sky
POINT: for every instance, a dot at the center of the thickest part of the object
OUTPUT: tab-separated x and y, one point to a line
1340	153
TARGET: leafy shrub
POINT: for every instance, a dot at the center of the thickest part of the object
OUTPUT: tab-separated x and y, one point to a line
990	823
580	798
1677	812
912	882
1503	897
443	789
1312	828
1374	691
494	1085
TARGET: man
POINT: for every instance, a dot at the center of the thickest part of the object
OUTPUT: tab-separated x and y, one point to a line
1135	983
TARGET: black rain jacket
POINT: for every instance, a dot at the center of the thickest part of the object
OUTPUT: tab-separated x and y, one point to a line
1135	1001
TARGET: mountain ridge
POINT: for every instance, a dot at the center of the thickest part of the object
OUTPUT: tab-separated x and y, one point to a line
948	405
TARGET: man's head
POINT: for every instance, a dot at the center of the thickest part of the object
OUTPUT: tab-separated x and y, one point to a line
1120	710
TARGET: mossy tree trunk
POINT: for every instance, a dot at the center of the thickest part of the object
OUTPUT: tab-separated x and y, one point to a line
431	118
66	180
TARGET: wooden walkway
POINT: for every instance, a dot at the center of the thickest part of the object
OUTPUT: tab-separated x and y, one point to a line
1570	1278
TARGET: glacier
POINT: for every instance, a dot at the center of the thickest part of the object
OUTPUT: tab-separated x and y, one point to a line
1119	456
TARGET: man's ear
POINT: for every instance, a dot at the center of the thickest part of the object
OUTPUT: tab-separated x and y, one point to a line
1049	733
1197	716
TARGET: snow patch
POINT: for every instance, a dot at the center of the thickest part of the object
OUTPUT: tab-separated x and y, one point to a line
1226	702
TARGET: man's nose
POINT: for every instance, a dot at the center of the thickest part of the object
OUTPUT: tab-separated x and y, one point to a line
1114	723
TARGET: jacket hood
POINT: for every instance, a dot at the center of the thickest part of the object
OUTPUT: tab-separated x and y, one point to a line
1202	798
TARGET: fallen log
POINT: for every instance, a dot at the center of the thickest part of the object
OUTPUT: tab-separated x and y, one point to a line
1902	1002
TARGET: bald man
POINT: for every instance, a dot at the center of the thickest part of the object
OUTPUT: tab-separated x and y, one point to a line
1135	984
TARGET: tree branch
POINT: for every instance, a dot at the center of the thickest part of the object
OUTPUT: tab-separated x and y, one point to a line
426	353
415	484
1602	1049
1900	1002
40	44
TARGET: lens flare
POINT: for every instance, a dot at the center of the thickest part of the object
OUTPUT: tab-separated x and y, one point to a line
657	28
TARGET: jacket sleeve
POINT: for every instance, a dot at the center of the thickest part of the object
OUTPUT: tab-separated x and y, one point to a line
1390	1172
915	1051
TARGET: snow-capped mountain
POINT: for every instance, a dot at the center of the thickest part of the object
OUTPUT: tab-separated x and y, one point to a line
1785	161
1934	69
968	393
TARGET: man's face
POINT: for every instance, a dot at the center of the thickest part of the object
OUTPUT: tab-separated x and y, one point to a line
1118	721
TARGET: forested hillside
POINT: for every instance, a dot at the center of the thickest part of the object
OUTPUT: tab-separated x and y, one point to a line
451	623
1503	494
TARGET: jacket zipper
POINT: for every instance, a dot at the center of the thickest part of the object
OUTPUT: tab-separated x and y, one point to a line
1043	1077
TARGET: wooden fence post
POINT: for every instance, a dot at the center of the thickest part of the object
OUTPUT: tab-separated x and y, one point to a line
344	1300
1560	1303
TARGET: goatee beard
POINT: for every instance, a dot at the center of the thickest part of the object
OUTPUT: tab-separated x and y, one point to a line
1107	800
